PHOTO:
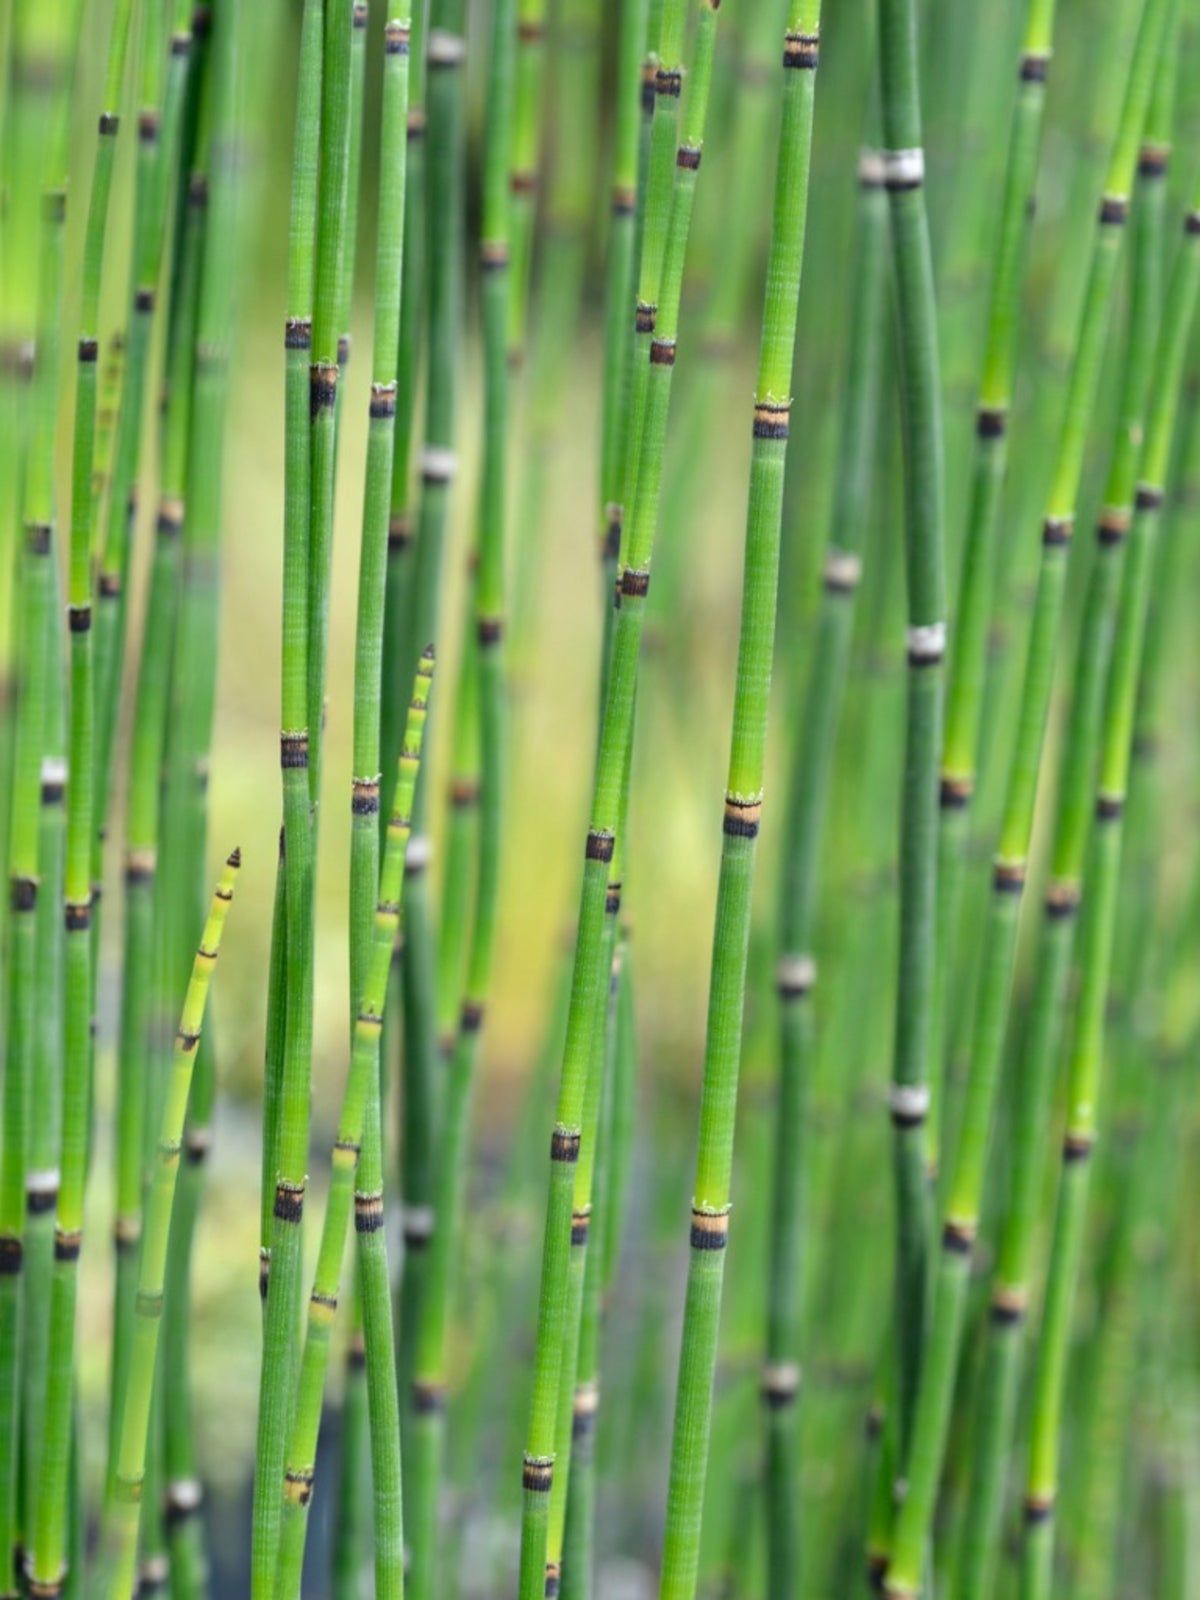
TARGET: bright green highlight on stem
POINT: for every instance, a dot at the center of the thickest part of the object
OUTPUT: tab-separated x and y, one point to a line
135	1421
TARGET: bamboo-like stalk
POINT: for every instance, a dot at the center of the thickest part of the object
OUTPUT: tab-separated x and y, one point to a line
805	809
135	1100
743	810
486	659
1099	921
525	165
924	1454
286	1135
328	316
408	361
45	1086
904	166
190	731
44	35
668	209
295	1485
1056	932
163	96
973	605
122	1531
574	122
374	1287
579	1513
621	271
444	177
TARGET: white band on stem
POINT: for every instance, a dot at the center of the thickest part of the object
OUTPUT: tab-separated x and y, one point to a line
909	1100
439	463
419	853
445	49
871	168
927	642
904	168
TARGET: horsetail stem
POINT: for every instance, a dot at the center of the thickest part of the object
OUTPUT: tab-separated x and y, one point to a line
152	1266
295	1484
805	809
146	760
525	164
373	1280
45	36
443	171
743	803
327	317
924	1455
287	1138
967	660
1099	918
904	170
486	659
159	130
1056	930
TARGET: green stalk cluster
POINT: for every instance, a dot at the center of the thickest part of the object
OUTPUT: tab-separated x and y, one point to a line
1085	1058
1056	933
925	1452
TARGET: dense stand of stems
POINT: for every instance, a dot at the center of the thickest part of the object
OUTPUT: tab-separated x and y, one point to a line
1084	1063
924	1455
1035	1082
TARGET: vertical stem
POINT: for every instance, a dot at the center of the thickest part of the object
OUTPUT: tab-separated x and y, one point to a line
122	1526
920	388
743	804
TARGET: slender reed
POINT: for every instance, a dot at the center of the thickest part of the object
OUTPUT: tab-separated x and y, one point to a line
1056	933
444	175
44	36
924	1455
191	719
143	816
904	170
374	1290
45	1086
973	606
487	660
328	316
743	810
162	99
806	804
286	1136
1099	922
122	1531
525	164
295	1485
